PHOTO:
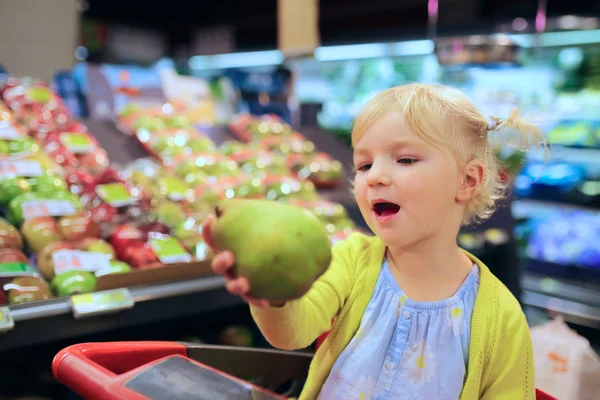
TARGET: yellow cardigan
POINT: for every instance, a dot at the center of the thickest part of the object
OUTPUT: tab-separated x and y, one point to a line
500	352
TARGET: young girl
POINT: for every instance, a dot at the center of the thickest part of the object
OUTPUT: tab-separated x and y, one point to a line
415	316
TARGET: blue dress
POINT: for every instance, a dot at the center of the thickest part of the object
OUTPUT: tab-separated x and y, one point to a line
405	349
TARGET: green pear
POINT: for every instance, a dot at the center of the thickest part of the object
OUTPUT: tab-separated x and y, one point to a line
281	249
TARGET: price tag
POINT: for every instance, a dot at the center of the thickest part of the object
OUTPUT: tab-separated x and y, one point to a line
6	321
115	194
10	168
169	250
14	269
44	208
8	132
70	260
108	301
176	190
78	143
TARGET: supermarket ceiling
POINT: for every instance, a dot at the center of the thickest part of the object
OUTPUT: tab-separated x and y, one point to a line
340	20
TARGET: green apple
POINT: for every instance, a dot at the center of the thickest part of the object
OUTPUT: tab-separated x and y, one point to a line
185	168
95	245
168	213
195	179
15	210
201	144
73	282
48	184
24	144
4	149
116	267
231	147
11	188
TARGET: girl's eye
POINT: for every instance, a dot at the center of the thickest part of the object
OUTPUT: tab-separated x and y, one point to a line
407	161
364	167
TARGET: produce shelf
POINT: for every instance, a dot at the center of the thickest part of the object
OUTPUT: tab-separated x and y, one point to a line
47	321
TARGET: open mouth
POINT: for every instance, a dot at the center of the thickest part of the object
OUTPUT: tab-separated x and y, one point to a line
385	209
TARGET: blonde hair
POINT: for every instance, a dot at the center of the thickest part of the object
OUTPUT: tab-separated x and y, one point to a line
445	117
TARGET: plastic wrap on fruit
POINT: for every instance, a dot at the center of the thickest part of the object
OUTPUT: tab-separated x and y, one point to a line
30	205
320	168
280	187
231	147
250	187
328	211
295	143
27	289
10	238
214	165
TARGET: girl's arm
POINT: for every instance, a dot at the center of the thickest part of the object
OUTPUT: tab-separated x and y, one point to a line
511	370
299	322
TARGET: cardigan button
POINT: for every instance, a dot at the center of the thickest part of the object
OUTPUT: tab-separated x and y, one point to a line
389	366
406	314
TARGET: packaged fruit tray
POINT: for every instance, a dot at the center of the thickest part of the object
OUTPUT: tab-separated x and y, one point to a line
274	147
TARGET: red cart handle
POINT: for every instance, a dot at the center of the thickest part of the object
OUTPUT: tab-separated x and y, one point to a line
92	369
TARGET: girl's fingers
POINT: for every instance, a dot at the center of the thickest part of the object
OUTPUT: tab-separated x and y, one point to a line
207	234
238	286
221	264
260	303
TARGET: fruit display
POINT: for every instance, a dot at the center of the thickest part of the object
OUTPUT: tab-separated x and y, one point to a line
149	245
69	217
270	242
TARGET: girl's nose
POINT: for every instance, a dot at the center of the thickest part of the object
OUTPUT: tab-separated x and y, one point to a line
378	175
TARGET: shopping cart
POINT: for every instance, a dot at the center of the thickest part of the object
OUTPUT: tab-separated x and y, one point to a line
178	371
183	371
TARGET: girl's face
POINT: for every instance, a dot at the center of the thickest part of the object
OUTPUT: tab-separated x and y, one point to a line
406	189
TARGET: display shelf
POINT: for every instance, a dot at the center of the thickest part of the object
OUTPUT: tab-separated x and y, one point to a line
528	208
52	320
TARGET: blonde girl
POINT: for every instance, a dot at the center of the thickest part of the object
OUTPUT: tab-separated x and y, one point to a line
416	317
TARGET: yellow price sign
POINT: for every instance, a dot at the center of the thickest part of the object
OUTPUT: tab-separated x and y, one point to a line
6	321
89	304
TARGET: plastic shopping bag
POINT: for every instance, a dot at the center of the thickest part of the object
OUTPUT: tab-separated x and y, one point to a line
565	364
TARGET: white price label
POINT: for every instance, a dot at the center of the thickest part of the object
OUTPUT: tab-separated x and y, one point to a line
6	321
8	132
10	168
89	304
77	260
44	208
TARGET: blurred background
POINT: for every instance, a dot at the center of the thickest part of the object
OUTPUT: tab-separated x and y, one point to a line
123	122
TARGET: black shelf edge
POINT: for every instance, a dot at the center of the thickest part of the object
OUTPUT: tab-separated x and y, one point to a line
572	312
53	320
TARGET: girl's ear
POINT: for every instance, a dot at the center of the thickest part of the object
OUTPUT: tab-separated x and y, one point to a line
471	180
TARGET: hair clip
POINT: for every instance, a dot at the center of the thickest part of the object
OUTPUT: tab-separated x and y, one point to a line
494	124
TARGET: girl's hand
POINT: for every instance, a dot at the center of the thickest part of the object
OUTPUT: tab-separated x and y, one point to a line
222	264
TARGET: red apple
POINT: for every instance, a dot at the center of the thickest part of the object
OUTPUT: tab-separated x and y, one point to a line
81	182
12	256
9	236
78	226
143	256
95	245
108	175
